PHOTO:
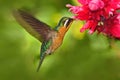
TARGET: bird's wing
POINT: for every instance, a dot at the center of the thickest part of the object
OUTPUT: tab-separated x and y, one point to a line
36	28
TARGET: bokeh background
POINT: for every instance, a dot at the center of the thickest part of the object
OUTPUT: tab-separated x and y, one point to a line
81	57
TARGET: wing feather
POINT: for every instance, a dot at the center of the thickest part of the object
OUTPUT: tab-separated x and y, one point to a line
36	28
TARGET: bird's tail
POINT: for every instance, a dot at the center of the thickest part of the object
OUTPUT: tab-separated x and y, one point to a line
40	62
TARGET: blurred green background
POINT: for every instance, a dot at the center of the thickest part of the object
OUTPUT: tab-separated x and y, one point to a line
81	57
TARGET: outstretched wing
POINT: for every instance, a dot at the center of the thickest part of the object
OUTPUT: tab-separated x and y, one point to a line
36	28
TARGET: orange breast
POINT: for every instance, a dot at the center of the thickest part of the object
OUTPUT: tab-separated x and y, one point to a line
56	43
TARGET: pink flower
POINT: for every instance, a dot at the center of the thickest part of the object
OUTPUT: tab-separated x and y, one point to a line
98	15
95	5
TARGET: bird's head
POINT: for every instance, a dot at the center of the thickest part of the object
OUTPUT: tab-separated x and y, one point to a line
64	24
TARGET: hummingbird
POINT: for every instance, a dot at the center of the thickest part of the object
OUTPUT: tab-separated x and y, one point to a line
51	39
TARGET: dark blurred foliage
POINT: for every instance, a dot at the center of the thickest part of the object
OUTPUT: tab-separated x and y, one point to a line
81	57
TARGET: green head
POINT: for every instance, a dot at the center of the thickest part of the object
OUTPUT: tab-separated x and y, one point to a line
64	22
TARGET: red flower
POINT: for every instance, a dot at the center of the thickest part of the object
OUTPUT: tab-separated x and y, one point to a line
111	26
98	15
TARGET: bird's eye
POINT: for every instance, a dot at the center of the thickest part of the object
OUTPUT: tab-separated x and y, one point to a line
67	22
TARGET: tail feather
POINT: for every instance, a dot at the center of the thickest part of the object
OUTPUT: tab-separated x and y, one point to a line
40	62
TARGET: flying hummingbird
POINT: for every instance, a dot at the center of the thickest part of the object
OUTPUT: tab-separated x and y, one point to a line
51	38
